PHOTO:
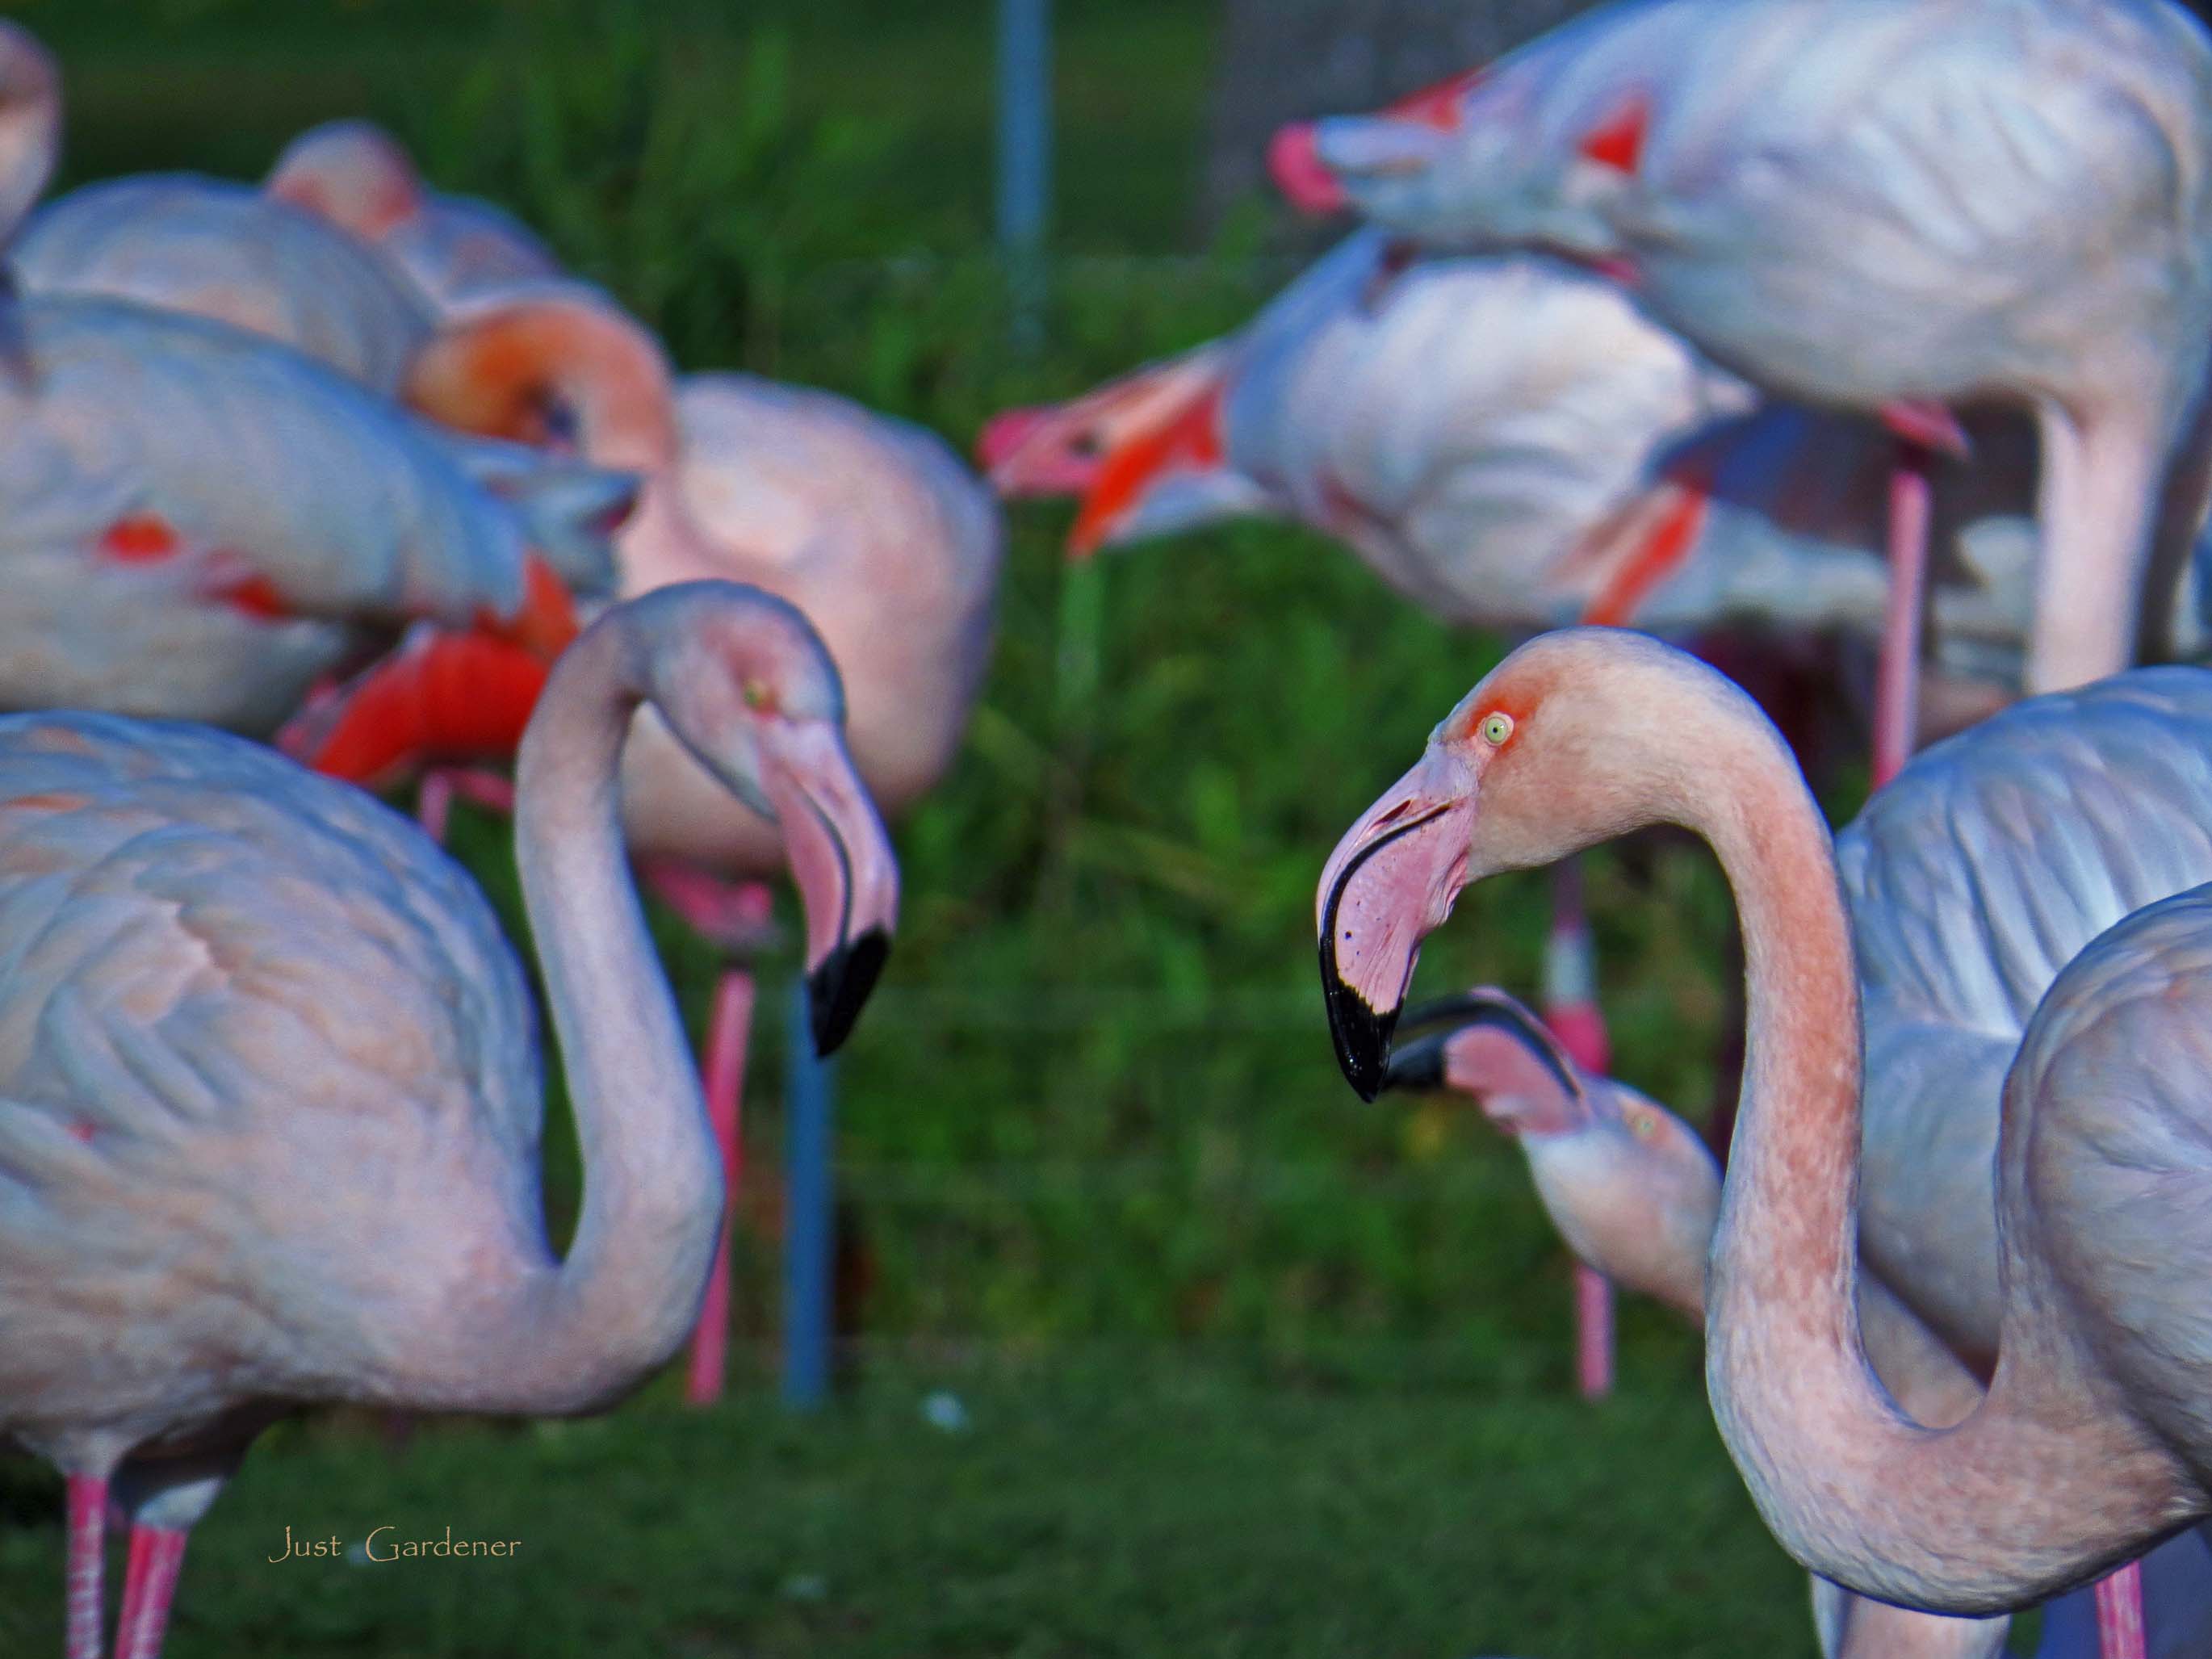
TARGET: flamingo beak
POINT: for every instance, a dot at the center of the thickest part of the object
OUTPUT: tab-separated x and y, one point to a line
841	861
1294	163
1024	452
1320	165
1388	885
1424	1063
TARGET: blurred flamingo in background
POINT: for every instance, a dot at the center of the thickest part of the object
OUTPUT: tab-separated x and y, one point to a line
313	1173
359	178
870	526
2018	842
1888	206
1634	1192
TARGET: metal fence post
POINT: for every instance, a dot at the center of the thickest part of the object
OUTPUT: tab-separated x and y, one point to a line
1024	180
810	1197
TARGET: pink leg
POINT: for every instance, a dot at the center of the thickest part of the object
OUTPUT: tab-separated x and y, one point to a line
1897	685
149	1585
434	805
87	1524
726	1076
2120	1614
1570	1010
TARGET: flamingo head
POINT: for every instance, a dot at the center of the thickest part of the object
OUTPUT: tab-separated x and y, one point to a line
555	365
742	681
1631	1186
1340	162
1576	738
1057	449
353	173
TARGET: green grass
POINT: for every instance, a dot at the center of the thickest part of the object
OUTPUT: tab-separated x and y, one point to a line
1129	1508
1253	1368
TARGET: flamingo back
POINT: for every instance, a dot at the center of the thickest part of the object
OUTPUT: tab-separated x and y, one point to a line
226	251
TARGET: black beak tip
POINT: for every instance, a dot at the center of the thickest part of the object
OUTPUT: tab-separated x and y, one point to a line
1363	1036
837	990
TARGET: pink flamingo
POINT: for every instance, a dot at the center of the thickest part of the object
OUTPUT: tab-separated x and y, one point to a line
2086	1449
270	1130
1889	206
1635	1192
872	527
359	178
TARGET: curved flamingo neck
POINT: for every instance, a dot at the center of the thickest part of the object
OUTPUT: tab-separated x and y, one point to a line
625	1297
1977	1518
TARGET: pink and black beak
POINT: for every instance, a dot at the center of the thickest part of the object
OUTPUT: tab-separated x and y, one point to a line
1389	884
841	861
1421	1063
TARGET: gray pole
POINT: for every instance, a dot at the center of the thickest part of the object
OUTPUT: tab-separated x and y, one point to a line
1024	184
809	1213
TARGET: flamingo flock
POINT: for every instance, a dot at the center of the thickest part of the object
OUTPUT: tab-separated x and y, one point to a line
1882	326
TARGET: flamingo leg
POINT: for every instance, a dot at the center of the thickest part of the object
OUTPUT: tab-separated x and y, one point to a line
1570	1010
88	1533
727	1030
433	804
2120	1614
1896	685
149	1586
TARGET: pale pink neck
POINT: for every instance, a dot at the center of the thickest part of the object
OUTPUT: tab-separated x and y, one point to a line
1985	1516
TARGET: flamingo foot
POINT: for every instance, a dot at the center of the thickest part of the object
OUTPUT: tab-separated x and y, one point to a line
149	1586
727	1030
87	1525
2120	1614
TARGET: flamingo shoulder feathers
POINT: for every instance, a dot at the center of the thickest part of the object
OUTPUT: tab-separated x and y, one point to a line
1990	864
193	904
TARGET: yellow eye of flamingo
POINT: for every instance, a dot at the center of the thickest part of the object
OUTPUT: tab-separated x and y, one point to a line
759	694
1644	1124
1496	728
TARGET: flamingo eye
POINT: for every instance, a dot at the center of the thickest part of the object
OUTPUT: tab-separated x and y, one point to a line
1643	1125
1495	729
759	694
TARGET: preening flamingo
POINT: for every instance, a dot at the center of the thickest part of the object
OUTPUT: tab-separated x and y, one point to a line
1510	443
269	1132
1634	1192
870	526
1891	206
197	524
2090	1445
359	178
